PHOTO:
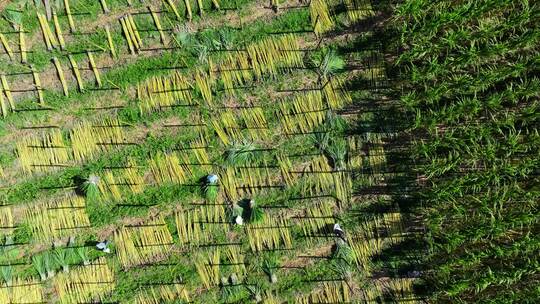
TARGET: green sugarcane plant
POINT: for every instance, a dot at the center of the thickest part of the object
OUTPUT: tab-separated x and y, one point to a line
38	261
254	212
256	292
269	267
240	153
91	188
337	151
62	259
49	263
328	63
211	188
7	274
83	254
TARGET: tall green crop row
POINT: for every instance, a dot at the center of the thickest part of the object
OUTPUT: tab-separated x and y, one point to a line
471	72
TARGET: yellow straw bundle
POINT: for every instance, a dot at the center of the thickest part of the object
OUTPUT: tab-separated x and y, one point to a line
23	291
166	168
271	233
329	293
6	46
7	224
143	244
56	219
358	10
207	266
320	16
85	284
43	154
163	294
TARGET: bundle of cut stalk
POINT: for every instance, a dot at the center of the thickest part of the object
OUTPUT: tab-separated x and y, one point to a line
355	159
207	266
5	108
317	218
37	85
229	183
157	23
69	16
253	179
189	233
320	16
318	177
304	113
143	244
48	37
76	72
175	10
87	140
6	46
200	5
112	183
376	75
6	90
131	177
131	33
22	291
391	222
191	168
369	241
227	127
166	169
56	219
256	123
198	148
58	31
235	70
377	157
22	44
285	166
270	54
191	223
372	294
104	6
7	224
336	97
270	298
43	154
400	288
270	233
85	284
196	156
60	72
343	189
94	68
204	85
163	294
358	10
109	188
163	92
110	42
364	249
337	292
236	259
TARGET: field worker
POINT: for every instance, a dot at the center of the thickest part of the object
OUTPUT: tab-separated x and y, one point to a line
212	179
103	246
339	232
237	214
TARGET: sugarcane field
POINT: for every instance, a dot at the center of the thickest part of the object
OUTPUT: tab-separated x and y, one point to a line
269	151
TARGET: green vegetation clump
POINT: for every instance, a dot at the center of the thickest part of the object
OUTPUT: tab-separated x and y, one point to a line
471	82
